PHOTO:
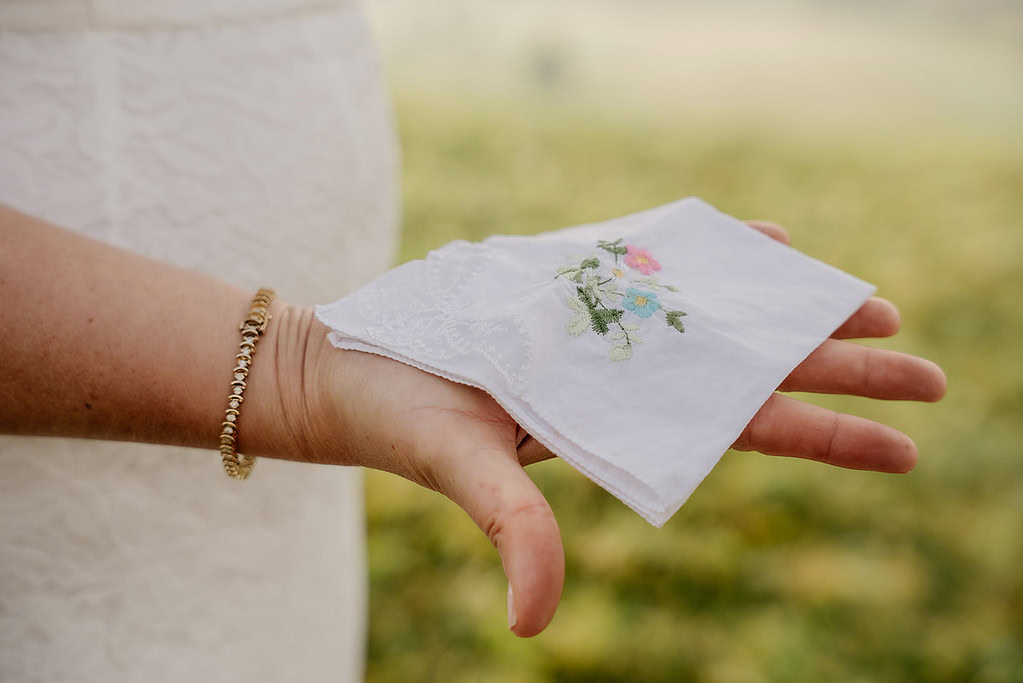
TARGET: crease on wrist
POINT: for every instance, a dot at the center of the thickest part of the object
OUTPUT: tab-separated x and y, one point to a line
291	418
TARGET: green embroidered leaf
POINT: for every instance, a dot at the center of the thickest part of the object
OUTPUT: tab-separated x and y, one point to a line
621	352
674	319
599	325
579	322
577	325
612	247
626	335
598	296
588	301
602	318
653	282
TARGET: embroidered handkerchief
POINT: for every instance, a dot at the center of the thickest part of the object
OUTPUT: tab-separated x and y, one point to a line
636	349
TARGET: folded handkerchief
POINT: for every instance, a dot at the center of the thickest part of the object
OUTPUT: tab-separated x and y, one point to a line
636	349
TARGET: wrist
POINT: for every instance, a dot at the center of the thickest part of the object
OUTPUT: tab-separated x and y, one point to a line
284	412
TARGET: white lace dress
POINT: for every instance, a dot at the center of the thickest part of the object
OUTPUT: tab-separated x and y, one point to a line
191	130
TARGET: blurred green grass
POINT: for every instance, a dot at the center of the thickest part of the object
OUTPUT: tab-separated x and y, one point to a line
775	570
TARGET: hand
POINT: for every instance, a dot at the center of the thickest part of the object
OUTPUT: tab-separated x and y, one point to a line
364	409
786	426
375	412
310	401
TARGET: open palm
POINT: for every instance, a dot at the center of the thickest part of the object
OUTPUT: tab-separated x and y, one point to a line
457	440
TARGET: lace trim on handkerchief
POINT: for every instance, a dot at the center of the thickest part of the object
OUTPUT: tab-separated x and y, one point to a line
602	285
436	312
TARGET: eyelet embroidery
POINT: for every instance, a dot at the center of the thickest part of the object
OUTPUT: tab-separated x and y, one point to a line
432	309
608	295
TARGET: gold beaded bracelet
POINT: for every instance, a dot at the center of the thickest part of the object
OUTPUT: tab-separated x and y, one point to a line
252	328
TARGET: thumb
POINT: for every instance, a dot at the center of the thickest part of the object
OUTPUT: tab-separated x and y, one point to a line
504	502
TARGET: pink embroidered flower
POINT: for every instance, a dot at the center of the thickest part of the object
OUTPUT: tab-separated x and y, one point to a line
640	259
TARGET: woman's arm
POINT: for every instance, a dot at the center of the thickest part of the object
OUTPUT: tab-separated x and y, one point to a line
97	342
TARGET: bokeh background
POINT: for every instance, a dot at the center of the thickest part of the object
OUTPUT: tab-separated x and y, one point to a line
888	138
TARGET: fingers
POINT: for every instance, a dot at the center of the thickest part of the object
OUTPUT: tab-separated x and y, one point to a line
839	367
503	501
785	426
876	318
772	230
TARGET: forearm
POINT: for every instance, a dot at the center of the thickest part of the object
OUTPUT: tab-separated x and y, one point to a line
98	342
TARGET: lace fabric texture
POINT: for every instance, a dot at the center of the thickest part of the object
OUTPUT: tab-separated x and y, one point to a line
636	349
437	312
267	135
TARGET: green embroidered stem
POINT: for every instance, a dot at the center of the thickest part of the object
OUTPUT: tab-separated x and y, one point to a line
618	320
652	282
613	248
597	295
602	317
627	346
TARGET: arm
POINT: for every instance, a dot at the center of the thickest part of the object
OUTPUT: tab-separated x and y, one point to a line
101	343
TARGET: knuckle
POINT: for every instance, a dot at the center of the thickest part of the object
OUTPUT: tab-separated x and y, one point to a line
826	437
873	371
505	516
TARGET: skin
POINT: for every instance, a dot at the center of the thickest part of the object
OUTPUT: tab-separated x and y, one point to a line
102	343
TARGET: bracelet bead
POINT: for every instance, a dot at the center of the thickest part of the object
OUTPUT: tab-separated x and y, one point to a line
252	328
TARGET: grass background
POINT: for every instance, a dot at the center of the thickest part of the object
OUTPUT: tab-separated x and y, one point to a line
775	570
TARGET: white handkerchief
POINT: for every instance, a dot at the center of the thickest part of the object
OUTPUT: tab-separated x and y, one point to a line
636	349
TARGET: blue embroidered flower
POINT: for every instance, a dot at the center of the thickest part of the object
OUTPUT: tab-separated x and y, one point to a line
641	302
